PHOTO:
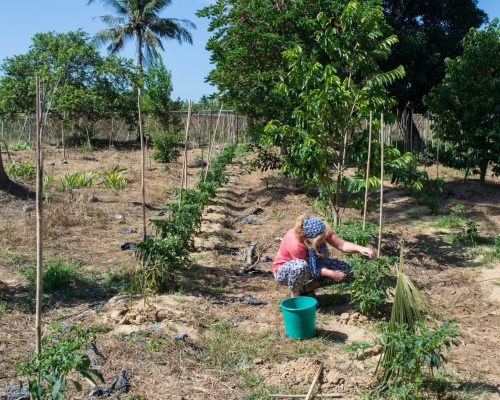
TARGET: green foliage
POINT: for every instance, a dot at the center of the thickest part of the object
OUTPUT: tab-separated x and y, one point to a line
415	350
167	253
57	275
165	146
428	32
22	170
141	20
63	353
372	280
77	180
90	87
352	231
156	101
114	178
18	146
334	88
465	105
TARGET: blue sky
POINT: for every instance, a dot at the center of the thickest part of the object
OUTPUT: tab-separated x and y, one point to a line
189	64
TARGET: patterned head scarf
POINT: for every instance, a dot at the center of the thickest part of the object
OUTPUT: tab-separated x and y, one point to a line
313	227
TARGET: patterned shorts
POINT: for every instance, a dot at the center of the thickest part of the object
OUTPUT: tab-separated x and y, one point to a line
296	273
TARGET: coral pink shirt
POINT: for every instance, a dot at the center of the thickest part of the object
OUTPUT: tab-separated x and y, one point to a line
291	249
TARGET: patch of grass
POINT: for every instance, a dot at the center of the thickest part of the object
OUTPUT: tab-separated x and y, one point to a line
18	146
57	275
114	178
355	347
21	170
5	307
77	180
216	289
450	221
29	302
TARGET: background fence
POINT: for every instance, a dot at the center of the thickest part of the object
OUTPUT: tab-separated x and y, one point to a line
410	132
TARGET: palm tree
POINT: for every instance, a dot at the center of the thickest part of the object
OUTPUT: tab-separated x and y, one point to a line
140	19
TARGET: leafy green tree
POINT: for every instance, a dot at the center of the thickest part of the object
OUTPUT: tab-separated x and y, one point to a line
89	87
334	88
157	101
140	19
466	104
429	32
249	38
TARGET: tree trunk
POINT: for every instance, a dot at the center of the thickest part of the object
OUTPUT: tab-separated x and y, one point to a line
4	179
483	167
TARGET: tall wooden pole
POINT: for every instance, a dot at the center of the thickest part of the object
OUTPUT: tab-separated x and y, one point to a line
39	220
143	167
184	165
211	145
367	170
381	183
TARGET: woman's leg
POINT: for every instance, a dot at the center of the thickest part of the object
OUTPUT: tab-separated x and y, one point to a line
294	274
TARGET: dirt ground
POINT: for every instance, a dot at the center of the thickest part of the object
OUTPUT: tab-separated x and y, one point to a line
234	350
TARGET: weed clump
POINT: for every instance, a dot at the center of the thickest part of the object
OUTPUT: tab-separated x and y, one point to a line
58	275
22	170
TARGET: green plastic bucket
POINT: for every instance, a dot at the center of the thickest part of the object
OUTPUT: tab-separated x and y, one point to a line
299	314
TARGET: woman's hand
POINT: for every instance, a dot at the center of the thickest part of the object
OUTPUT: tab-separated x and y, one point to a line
365	251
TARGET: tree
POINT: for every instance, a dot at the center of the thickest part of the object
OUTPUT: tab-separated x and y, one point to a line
249	38
466	104
4	178
158	89
429	32
140	19
90	87
334	88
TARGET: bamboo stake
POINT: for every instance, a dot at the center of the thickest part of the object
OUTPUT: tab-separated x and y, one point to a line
381	183
367	170
309	395
210	146
184	164
143	190
39	220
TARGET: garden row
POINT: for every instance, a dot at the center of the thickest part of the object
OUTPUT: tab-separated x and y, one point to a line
167	251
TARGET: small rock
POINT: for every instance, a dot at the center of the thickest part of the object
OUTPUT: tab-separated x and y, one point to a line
335	378
92	199
154	327
363	318
355	315
368	353
181	337
63	162
278	239
256	211
239	231
378	349
124	321
258	361
117	314
28	208
140	319
344	316
128	246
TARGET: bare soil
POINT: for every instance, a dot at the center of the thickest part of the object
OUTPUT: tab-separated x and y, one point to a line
138	336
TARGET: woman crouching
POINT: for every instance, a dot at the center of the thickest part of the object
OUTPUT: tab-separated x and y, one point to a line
303	262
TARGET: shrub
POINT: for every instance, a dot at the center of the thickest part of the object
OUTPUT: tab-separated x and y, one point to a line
352	231
22	170
165	148
77	180
372	279
18	146
63	352
114	179
57	275
415	351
